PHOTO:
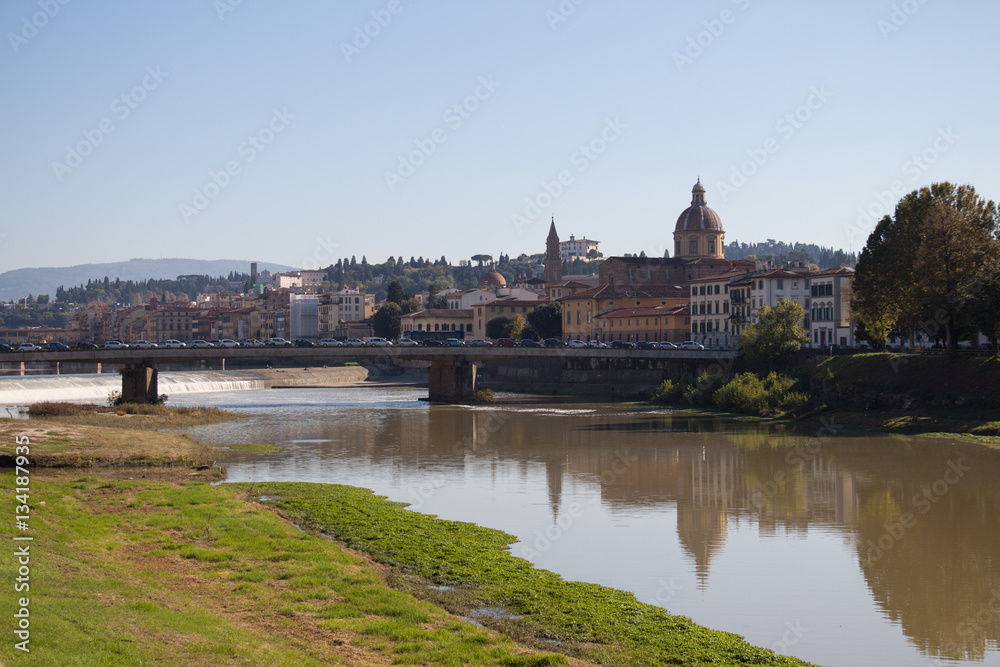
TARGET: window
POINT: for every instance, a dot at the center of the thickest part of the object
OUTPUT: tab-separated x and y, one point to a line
701	290
693	246
694	291
716	289
781	284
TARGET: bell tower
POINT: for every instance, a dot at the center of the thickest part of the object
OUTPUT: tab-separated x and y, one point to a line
553	258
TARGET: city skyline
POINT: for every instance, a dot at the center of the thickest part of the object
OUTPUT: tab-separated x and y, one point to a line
306	133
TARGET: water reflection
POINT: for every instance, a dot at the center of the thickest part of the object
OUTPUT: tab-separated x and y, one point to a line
920	516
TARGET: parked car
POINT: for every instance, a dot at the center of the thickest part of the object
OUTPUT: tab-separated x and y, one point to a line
622	345
665	345
142	345
56	346
553	342
596	344
453	342
251	342
691	345
115	345
376	341
477	342
407	342
199	343
645	345
431	342
329	342
504	342
278	342
215	342
28	347
302	342
228	342
354	342
86	345
4	347
527	342
577	343
172	344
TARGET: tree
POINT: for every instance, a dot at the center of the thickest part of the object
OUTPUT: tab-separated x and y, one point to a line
776	336
481	259
546	321
497	327
922	269
42	299
395	293
385	321
517	326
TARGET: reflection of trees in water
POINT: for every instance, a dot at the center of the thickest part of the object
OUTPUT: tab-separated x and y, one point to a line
937	581
930	565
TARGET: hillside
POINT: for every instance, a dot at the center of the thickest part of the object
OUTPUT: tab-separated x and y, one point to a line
19	283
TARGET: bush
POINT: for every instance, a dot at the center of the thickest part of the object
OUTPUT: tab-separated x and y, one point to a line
700	392
748	394
666	393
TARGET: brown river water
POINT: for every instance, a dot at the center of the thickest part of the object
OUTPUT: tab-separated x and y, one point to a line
838	548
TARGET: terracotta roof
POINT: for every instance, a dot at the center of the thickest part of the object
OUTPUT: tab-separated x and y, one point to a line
443	312
647	311
728	275
630	291
698	218
839	271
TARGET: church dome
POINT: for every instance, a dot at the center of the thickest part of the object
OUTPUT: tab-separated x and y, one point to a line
492	280
698	217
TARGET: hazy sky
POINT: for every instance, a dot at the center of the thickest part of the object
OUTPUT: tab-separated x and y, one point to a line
299	132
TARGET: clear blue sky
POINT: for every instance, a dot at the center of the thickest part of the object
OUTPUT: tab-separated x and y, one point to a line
627	79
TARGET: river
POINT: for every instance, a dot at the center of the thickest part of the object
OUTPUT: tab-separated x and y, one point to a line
841	549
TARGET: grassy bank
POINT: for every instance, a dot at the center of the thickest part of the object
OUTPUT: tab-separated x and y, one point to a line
466	569
137	558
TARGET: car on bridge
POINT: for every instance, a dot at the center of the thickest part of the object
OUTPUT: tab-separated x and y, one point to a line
477	342
407	342
87	345
354	342
199	343
527	342
376	341
4	347
431	342
142	345
228	342
553	342
504	342
115	345
171	344
250	342
453	342
622	345
28	347
691	345
56	346
330	342
278	342
302	342
645	345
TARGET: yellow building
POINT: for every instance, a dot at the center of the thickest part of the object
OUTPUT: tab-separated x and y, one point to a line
485	312
580	310
660	323
438	319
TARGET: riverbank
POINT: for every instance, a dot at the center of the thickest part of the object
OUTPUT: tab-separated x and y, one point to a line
152	563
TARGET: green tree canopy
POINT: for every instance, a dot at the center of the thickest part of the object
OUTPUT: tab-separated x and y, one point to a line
385	322
776	336
497	327
546	321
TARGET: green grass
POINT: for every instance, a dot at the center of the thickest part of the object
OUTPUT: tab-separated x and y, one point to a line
589	621
132	572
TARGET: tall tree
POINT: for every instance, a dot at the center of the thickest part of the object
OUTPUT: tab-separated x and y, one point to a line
546	320
386	322
775	337
498	327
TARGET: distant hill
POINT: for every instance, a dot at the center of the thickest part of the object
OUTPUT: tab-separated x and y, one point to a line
19	283
779	252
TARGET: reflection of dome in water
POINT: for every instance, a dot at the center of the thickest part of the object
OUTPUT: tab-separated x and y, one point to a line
492	280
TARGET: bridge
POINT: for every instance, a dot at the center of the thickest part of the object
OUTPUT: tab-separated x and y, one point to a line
452	372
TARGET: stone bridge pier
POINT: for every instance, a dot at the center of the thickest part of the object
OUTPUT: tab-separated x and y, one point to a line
139	384
451	381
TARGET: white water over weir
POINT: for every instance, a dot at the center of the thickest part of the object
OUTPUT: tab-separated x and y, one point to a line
19	390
